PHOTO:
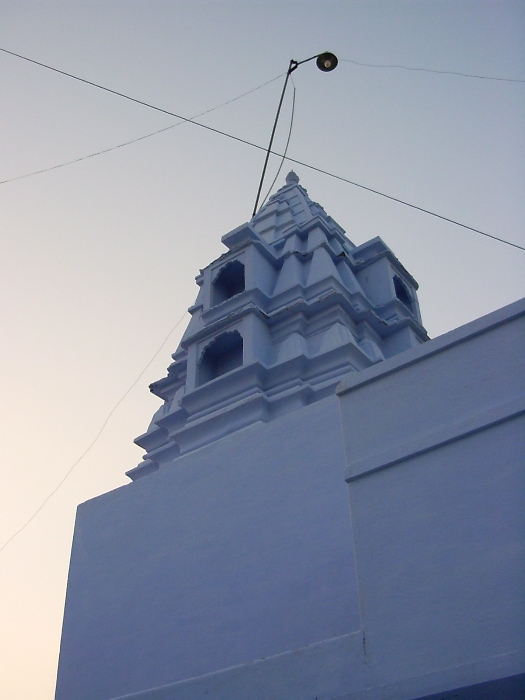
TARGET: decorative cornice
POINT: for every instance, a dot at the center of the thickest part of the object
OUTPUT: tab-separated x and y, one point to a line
297	306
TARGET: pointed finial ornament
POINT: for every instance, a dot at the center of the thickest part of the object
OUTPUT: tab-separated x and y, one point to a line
292	178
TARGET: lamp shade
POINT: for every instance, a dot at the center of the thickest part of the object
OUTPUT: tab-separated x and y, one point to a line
326	62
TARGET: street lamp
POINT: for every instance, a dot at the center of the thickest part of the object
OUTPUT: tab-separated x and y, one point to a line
326	62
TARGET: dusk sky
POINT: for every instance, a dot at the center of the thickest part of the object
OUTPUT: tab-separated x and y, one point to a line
99	257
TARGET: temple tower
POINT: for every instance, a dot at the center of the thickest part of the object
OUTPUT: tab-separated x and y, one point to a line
280	318
232	547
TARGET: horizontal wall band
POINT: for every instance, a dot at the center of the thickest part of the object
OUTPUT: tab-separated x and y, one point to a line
485	324
412	448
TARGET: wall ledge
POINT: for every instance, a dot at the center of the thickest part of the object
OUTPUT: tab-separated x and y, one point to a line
434	440
324	669
440	344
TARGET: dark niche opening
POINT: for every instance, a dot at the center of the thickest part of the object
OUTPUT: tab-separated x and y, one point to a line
402	292
229	282
222	355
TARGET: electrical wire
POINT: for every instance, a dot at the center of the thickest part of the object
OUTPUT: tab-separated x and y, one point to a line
140	138
200	114
95	440
127	97
406	204
285	151
283	158
431	70
261	148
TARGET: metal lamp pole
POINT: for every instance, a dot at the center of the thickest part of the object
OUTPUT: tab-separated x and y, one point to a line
325	62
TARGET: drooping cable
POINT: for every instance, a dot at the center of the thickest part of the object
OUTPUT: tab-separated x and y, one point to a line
283	158
126	97
285	151
406	204
292	66
431	70
140	138
95	439
261	148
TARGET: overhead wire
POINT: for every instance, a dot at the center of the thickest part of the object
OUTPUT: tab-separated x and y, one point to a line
262	148
223	104
124	96
285	150
283	157
432	70
140	138
406	204
95	439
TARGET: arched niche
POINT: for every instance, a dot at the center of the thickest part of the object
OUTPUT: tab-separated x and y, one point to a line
222	355
402	292
229	282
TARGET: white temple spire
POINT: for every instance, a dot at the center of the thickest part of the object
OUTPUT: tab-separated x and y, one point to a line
292	306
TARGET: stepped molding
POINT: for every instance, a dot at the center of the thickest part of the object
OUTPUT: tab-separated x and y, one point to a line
279	319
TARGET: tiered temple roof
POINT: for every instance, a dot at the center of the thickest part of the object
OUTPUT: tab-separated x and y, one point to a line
280	318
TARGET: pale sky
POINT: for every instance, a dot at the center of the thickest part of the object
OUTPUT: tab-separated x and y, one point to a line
99	258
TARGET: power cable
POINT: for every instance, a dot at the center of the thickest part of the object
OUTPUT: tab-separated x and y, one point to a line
285	151
261	148
406	204
127	97
95	440
200	114
140	138
283	157
431	70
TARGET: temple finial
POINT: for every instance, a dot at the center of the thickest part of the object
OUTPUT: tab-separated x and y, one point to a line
292	178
